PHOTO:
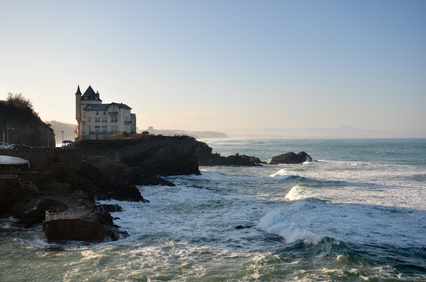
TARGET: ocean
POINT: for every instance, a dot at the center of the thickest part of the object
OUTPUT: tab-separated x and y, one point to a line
356	213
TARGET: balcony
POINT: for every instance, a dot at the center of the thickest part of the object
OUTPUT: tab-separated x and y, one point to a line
113	113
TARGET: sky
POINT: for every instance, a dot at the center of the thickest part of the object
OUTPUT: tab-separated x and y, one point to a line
231	66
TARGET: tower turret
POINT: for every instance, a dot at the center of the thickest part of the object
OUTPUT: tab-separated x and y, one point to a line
77	104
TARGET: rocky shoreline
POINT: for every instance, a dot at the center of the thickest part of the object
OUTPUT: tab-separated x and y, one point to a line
63	195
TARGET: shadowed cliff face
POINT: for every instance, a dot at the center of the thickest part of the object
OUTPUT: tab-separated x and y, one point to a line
14	199
66	189
153	155
165	160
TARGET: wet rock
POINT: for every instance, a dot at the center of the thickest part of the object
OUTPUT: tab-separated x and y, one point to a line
291	158
207	158
242	227
77	229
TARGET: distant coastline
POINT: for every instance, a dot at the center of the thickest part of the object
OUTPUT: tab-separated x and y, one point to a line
196	134
69	132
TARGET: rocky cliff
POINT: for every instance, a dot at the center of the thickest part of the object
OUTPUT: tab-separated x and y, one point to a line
149	155
68	191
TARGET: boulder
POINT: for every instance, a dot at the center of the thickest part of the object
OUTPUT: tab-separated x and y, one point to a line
77	229
291	158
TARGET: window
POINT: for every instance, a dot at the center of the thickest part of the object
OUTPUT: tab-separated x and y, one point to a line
97	113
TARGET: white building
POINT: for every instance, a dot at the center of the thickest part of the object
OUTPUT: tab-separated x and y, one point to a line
99	121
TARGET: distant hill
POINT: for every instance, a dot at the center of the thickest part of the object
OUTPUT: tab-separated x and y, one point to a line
67	128
196	134
25	126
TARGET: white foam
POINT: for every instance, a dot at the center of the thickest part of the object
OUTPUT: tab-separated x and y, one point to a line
281	174
310	220
273	223
296	193
7	223
358	182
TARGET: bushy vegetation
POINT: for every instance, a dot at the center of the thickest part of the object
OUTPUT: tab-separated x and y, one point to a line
17	112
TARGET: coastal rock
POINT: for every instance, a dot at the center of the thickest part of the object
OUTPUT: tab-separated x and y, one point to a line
207	158
291	158
154	155
14	199
166	160
125	174
77	229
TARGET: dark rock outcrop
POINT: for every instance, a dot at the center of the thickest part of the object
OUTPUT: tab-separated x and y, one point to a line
207	158
63	179
68	191
166	160
126	175
38	213
14	199
152	155
291	158
77	229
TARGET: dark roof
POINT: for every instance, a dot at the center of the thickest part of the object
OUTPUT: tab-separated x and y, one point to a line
96	107
104	107
78	91
120	105
90	95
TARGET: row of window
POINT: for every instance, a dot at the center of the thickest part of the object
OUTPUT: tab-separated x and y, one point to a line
114	112
104	129
104	119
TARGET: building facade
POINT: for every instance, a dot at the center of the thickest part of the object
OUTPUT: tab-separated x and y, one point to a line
96	120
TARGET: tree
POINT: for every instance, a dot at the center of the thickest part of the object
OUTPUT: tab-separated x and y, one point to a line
19	101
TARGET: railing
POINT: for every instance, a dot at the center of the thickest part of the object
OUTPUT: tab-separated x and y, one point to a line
7	176
50	215
27	184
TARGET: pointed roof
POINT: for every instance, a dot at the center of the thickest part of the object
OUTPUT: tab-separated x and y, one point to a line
90	94
78	91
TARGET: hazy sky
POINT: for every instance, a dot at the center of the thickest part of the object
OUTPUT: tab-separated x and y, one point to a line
223	65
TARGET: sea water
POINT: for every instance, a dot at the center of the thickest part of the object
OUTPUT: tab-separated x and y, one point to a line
356	213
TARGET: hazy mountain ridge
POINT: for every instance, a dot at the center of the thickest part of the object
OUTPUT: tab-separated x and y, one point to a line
324	132
196	134
69	132
67	128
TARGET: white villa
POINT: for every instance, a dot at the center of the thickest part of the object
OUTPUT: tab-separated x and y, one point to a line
99	121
